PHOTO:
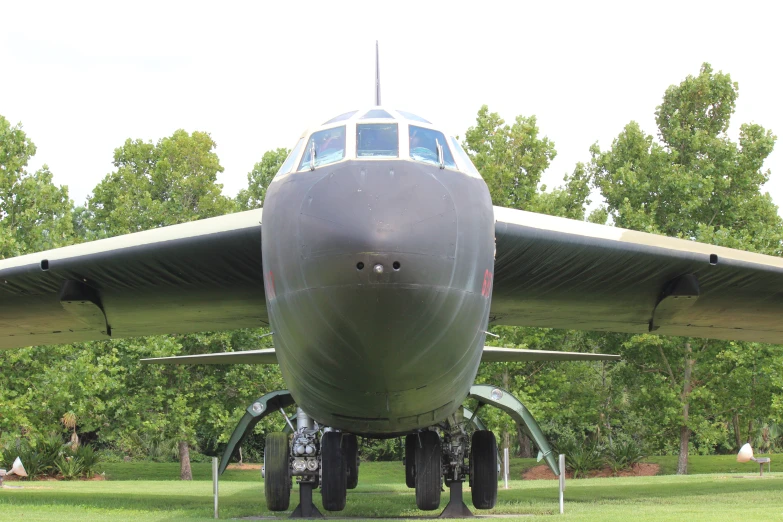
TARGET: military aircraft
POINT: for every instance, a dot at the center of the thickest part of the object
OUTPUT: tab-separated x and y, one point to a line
378	262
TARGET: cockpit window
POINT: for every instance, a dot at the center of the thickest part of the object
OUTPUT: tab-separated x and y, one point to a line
410	116
288	164
377	140
464	160
424	146
328	145
376	113
341	117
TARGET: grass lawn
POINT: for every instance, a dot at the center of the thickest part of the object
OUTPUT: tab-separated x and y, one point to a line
150	491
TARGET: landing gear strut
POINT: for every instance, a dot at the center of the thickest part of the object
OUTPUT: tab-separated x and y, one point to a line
305	464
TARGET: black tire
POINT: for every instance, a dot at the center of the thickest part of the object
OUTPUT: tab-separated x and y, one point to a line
277	473
428	470
410	460
333	472
484	469
351	452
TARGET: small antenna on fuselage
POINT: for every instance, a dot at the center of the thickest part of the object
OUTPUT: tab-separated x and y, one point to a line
377	76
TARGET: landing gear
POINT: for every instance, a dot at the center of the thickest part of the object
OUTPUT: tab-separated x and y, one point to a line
465	450
351	452
333	473
331	462
483	469
277	472
428	471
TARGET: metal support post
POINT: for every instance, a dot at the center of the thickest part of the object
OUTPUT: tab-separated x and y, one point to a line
456	507
306	508
215	475
505	467
562	480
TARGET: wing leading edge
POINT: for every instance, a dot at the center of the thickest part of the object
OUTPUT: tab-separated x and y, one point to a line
560	273
197	276
265	356
490	354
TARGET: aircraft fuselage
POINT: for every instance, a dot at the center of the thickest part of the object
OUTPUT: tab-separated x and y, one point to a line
378	279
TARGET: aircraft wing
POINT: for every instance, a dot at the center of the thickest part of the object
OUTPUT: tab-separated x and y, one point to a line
560	273
197	276
494	354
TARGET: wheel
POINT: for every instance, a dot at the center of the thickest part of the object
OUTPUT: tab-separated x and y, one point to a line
410	460
333	472
484	469
428	470
351	452
277	473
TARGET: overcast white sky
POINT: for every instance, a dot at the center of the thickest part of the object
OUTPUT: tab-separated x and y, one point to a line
83	77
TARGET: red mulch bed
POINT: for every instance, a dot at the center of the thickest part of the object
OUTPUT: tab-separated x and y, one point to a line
543	472
244	466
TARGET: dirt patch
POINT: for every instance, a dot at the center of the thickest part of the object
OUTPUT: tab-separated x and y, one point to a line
244	466
543	472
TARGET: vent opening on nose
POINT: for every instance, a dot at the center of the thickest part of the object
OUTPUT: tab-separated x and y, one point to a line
396	265
713	259
359	265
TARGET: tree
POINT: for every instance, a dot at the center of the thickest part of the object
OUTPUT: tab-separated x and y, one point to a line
155	185
35	214
512	158
259	179
694	183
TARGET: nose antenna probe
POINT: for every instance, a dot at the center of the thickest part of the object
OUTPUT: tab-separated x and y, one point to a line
377	76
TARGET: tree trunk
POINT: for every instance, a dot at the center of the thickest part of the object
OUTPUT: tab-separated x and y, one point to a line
525	447
737	434
184	461
685	431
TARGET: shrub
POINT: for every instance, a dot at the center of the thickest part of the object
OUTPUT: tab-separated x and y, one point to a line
36	463
89	459
50	447
69	467
624	454
582	457
49	456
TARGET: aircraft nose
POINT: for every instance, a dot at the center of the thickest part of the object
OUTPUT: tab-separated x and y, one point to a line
376	275
377	223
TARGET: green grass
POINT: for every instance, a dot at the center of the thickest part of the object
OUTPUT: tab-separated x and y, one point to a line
697	465
150	491
700	464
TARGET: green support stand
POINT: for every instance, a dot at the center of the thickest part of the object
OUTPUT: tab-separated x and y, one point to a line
261	407
502	399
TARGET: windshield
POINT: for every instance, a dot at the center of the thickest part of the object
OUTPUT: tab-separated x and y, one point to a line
288	164
377	139
329	147
465	164
424	146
